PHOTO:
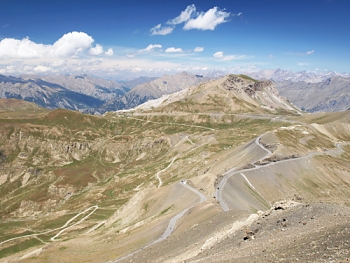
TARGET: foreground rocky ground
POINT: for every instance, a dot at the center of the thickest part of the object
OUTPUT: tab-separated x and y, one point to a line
303	233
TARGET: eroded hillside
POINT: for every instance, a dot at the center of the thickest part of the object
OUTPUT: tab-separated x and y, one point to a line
173	184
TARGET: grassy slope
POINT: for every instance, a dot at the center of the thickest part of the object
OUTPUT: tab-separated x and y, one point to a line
93	176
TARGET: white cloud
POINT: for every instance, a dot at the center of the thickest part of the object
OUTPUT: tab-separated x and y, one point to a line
219	54
68	45
184	16
199	49
208	20
302	54
58	63
234	57
150	48
42	69
300	64
109	52
97	50
194	20
71	44
159	30
173	50
25	48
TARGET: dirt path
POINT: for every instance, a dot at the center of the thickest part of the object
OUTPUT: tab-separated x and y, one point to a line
62	228
172	123
157	174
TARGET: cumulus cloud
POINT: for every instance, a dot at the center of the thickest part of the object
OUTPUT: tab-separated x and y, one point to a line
194	20
68	45
25	48
159	30
184	16
109	52
208	20
97	50
173	50
199	49
71	44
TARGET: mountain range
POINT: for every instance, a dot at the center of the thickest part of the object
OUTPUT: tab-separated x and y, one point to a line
167	84
90	94
311	91
280	75
332	94
70	92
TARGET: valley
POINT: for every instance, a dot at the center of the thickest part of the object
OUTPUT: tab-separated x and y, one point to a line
219	167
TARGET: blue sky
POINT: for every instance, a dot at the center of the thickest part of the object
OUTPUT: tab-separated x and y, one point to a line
125	38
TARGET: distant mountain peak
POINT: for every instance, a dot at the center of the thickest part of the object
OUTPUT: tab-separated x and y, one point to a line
280	75
230	94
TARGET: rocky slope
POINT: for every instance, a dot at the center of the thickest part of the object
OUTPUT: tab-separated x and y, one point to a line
70	92
92	95
230	94
164	85
332	94
91	86
130	84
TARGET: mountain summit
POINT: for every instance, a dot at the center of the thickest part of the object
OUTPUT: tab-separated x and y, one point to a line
230	94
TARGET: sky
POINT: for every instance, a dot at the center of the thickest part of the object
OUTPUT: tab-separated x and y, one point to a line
122	39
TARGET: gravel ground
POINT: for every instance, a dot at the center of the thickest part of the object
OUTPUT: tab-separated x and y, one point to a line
305	233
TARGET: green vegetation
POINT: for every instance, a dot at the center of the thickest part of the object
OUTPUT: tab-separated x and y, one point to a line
167	209
248	78
32	242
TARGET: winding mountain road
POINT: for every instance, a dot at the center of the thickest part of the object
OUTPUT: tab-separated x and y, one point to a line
172	223
233	171
62	228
